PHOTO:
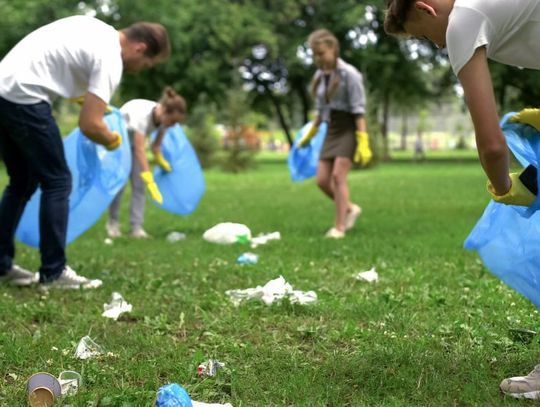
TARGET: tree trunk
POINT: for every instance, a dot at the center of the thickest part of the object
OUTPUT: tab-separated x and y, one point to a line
384	127
281	116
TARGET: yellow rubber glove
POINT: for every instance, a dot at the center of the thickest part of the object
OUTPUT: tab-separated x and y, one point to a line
519	194
80	101
148	179
527	116
162	162
363	153
304	141
113	145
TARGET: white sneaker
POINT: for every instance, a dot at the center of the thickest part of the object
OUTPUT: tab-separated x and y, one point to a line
69	279
352	215
334	233
18	276
523	386
113	229
139	233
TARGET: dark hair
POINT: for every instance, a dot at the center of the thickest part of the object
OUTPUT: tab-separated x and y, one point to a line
396	16
324	36
153	35
172	101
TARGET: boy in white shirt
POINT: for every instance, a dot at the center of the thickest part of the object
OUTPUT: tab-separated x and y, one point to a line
507	31
72	57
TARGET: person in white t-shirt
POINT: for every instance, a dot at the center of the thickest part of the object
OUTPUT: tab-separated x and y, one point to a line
72	57
473	31
143	117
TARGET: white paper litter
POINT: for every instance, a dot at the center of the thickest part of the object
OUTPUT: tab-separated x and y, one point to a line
176	237
116	307
87	348
201	404
370	276
272	291
263	239
227	233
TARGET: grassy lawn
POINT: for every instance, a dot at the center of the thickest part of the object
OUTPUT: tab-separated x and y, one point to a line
434	331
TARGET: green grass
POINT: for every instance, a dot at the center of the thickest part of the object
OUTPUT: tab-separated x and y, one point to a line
432	332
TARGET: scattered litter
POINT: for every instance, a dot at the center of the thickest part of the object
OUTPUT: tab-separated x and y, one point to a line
174	395
248	258
108	241
176	237
87	349
228	233
116	307
370	276
274	290
263	239
210	368
43	389
70	381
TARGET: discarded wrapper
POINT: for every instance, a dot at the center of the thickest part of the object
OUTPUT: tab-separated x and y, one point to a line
247	258
87	348
228	233
274	290
370	276
176	237
263	239
70	381
116	307
210	368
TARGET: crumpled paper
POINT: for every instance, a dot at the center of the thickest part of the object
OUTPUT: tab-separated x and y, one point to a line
210	368
87	349
263	239
116	307
272	291
370	276
228	233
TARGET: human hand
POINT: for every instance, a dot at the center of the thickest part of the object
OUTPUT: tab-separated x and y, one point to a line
152	187
363	153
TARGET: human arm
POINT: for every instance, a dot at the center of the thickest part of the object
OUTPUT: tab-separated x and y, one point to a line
156	151
92	125
475	79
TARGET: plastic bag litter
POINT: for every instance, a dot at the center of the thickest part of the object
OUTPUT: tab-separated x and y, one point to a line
174	395
210	368
116	307
247	258
507	237
175	237
97	176
184	186
272	291
264	238
87	349
228	233
370	276
303	161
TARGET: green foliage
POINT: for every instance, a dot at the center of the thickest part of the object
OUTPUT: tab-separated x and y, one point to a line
202	132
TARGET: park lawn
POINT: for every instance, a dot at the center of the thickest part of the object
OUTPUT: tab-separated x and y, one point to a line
434	331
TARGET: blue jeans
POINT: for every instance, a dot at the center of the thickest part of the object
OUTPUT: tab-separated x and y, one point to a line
33	152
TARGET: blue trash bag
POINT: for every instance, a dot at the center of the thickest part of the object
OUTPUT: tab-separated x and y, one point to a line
97	176
507	237
184	186
173	395
303	161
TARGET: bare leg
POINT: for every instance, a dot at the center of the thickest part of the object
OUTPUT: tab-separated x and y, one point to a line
340	170
324	177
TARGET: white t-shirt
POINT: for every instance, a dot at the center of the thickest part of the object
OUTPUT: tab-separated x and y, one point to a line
66	58
138	116
510	30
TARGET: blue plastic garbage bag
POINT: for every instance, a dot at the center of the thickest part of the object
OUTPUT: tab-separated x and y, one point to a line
173	395
303	161
97	176
183	187
507	237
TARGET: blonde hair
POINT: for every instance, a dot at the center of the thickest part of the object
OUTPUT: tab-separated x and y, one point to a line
172	101
325	37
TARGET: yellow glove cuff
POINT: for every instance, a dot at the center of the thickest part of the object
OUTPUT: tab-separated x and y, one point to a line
308	136
528	116
162	162
147	177
518	194
113	145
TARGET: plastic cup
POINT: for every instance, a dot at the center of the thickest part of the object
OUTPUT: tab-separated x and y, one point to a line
43	389
70	381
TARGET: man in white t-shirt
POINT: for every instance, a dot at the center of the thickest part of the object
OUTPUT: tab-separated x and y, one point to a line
71	58
507	31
